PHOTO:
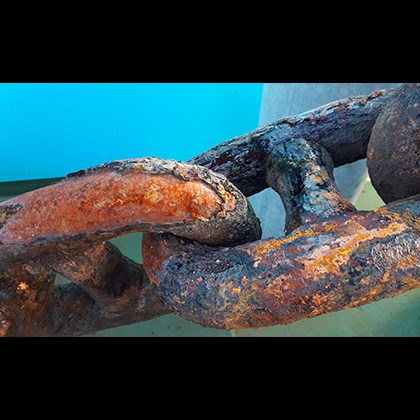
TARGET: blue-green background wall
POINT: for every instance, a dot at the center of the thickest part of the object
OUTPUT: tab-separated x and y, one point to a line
50	129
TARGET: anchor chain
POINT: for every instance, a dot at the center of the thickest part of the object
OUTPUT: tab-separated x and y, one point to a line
203	258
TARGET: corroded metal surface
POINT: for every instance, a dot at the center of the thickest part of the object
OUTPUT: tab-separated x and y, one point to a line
323	267
24	296
85	205
343	127
203	257
301	172
394	147
100	203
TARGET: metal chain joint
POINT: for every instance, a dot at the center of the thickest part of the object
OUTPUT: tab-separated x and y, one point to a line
203	258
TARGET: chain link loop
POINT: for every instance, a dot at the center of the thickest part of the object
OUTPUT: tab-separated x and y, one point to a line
202	254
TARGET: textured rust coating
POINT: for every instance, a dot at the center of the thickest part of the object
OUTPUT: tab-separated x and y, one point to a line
103	201
341	263
394	147
301	172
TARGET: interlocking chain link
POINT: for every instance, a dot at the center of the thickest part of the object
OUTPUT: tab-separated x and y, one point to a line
203	258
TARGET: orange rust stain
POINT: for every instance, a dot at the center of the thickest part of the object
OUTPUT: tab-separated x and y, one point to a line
324	259
408	261
106	201
319	303
367	297
405	262
410	283
22	286
5	325
230	201
276	291
178	300
239	312
387	275
383	210
263	247
364	281
331	254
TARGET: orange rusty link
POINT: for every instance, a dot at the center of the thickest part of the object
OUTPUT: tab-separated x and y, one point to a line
105	200
148	194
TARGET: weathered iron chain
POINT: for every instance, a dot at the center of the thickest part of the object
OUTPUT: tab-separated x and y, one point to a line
202	254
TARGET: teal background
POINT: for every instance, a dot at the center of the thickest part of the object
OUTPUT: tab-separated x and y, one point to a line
50	129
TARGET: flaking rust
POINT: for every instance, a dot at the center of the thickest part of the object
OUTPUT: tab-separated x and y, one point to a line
103	201
329	266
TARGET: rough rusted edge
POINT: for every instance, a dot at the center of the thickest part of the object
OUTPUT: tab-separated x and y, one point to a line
178	169
158	166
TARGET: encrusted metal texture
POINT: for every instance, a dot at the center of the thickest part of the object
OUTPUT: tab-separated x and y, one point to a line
323	267
203	258
394	146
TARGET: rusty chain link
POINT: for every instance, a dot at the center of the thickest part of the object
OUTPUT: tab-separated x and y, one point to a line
203	258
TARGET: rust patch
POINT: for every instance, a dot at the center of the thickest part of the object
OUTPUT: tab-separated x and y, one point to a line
106	200
320	268
22	286
230	201
409	283
264	247
329	257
